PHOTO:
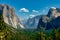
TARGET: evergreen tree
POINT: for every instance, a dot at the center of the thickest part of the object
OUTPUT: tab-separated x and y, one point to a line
55	34
59	34
40	36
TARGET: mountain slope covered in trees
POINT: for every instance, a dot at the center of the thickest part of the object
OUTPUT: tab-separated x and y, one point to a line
7	32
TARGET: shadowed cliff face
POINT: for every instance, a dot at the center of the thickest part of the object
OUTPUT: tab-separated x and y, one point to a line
9	16
51	20
54	13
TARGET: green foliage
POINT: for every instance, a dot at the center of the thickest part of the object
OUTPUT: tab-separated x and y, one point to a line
40	36
52	35
55	34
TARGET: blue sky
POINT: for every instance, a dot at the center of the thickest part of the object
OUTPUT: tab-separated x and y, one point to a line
30	8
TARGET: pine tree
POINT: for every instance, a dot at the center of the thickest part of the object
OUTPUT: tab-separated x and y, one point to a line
59	34
40	36
55	34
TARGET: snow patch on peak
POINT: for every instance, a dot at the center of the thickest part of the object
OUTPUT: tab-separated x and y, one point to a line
31	16
53	7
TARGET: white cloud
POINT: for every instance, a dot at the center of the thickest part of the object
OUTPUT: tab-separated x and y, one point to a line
31	16
35	11
23	10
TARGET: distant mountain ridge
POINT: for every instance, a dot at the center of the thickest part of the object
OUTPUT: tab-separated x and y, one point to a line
32	22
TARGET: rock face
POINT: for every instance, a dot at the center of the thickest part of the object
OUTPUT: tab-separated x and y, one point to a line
6	31
9	16
32	22
54	13
51	20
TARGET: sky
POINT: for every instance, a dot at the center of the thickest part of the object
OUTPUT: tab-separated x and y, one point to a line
30	8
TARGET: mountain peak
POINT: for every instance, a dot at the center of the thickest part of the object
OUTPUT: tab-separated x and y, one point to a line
53	7
54	12
51	20
9	16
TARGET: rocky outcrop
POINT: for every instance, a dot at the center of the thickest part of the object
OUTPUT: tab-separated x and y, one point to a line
51	20
54	12
32	22
9	16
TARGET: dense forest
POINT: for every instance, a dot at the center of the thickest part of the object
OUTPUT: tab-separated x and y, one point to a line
9	33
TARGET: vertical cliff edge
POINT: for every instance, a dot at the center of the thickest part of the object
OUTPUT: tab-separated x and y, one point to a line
9	16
